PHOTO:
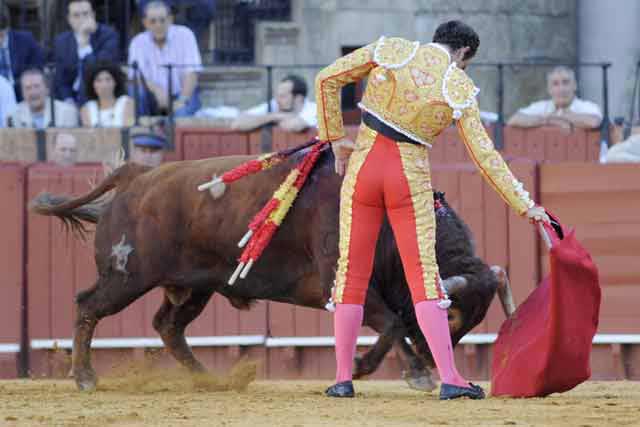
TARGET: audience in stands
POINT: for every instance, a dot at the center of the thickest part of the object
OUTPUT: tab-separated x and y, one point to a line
108	104
290	110
7	100
65	150
564	109
35	110
197	13
165	43
627	151
147	149
76	50
19	51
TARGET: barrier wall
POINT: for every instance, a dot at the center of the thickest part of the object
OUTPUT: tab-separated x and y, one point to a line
192	143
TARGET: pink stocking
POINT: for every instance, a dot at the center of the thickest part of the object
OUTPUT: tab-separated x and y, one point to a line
346	324
435	327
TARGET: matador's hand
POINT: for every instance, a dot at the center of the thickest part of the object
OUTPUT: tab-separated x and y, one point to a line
342	149
537	214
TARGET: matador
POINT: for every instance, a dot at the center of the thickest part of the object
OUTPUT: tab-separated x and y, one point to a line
413	92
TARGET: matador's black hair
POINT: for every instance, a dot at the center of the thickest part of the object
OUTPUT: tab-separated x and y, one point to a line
456	35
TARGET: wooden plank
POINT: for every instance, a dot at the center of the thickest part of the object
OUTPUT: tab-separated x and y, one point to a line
18	145
12	192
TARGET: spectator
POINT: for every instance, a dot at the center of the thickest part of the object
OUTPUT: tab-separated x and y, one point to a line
65	150
76	50
35	110
108	104
198	13
147	149
164	43
290	110
7	100
625	152
564	109
18	52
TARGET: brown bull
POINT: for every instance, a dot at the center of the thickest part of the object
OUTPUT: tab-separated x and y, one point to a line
157	230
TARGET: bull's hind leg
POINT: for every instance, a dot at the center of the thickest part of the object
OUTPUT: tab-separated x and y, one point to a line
107	297
174	316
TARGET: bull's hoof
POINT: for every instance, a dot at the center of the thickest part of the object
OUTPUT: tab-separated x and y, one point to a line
86	381
420	381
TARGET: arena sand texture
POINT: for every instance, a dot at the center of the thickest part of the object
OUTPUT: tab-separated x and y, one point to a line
141	396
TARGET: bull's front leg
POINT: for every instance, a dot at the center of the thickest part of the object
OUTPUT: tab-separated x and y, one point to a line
392	333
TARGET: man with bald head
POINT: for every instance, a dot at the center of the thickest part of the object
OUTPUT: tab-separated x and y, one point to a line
65	150
564	109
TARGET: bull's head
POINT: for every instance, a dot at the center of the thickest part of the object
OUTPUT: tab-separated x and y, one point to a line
457	288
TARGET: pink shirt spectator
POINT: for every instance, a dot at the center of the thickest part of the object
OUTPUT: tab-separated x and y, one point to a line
181	48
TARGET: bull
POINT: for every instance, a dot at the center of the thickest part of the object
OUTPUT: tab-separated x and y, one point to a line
157	231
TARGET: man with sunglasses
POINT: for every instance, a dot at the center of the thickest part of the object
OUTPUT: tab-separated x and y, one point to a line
164	43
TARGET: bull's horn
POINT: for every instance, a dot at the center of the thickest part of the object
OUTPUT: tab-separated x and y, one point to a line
453	284
235	274
504	290
245	239
246	270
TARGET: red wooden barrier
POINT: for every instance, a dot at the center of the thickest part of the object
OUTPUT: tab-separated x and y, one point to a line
602	203
12	189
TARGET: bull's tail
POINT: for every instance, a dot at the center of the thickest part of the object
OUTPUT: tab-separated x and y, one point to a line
73	212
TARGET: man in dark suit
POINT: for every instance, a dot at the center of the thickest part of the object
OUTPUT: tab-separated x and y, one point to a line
76	50
19	51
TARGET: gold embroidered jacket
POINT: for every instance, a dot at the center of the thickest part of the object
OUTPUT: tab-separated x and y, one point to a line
417	90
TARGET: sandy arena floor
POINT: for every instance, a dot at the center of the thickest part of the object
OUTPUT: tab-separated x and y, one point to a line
138	397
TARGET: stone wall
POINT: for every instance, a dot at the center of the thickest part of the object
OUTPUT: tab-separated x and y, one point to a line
527	30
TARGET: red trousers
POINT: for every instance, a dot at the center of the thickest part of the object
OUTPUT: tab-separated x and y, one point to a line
393	177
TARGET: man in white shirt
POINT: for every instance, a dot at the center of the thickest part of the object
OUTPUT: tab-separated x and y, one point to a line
290	110
7	100
35	110
564	109
162	44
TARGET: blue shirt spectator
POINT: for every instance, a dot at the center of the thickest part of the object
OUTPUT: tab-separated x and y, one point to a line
75	51
19	51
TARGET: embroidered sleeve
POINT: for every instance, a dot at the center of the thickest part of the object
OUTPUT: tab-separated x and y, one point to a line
329	82
490	162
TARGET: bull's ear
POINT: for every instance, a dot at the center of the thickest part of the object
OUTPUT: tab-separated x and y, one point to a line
454	284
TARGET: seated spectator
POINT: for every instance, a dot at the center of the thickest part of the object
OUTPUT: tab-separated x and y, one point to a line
76	50
625	152
164	43
108	105
18	52
65	150
148	149
564	109
198	13
290	110
7	100
35	110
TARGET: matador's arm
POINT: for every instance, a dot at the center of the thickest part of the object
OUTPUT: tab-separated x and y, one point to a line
490	162
329	82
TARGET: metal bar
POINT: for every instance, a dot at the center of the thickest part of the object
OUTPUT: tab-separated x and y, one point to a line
171	135
266	133
498	137
136	92
124	142
604	126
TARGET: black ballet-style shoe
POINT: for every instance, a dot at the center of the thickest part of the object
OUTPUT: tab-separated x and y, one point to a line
450	391
343	389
